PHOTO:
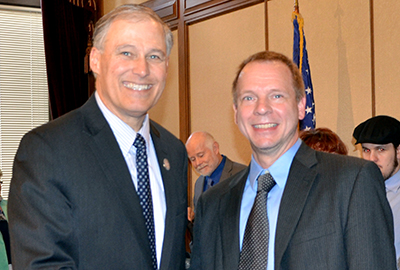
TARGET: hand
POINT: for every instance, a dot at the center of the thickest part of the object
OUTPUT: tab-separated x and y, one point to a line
190	214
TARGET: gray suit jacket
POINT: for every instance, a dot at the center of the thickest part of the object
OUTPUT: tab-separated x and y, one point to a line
73	205
230	168
333	216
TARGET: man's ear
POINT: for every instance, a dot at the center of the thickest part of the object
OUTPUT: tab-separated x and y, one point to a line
302	108
398	152
95	60
234	113
216	147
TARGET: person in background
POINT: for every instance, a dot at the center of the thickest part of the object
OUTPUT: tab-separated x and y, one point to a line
206	159
203	152
379	137
5	254
293	208
104	187
323	139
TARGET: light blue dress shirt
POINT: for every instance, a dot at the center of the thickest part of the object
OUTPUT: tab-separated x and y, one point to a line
279	171
393	195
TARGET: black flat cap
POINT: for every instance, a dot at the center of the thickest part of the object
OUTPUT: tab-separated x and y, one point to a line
381	129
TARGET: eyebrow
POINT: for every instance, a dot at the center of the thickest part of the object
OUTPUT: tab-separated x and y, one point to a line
130	46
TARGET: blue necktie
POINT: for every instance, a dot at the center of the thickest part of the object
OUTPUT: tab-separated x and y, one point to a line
144	193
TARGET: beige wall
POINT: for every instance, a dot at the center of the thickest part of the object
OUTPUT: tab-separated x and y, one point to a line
214	58
166	112
338	43
387	55
338	40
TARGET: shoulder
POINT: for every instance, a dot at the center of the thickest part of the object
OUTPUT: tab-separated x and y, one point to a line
225	186
162	133
166	142
234	165
312	158
334	167
87	116
343	162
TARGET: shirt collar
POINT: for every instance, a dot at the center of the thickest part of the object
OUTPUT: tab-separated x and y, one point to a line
279	170
393	183
124	134
218	170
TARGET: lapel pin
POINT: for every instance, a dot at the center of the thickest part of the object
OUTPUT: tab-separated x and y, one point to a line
166	164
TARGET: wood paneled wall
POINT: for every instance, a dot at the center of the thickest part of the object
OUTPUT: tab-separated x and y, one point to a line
353	54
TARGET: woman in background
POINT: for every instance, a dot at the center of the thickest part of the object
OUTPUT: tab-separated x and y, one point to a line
325	140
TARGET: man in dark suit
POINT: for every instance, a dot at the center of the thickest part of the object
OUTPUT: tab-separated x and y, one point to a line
379	137
104	187
206	159
318	210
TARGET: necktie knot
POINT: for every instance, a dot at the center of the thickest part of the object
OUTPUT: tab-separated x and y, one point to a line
265	182
139	142
210	182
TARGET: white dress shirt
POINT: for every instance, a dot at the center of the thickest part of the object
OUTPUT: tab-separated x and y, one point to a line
125	137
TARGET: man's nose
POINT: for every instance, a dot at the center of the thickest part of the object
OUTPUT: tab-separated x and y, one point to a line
373	156
141	67
263	106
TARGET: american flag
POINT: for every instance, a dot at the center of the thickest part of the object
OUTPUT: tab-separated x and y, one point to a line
300	57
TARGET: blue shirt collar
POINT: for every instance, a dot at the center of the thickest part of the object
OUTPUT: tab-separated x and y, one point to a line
216	175
393	183
279	170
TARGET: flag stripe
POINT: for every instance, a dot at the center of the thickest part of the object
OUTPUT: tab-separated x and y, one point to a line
300	57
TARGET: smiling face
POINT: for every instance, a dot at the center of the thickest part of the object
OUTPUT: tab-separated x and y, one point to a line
203	153
267	111
384	155
131	70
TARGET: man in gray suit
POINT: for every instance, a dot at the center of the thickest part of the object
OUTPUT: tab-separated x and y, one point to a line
104	187
324	211
206	159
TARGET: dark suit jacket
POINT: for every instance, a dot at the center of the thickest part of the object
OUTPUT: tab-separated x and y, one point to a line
333	216
72	203
230	168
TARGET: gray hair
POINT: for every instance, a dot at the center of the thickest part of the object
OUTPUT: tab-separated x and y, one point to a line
127	12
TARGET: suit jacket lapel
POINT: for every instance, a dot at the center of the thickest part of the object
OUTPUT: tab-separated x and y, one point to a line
226	172
300	179
105	149
229	218
172	200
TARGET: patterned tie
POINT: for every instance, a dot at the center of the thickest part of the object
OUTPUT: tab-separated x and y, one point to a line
254	255
144	193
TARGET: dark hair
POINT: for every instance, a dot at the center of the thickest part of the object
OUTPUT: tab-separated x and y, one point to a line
325	140
269	56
